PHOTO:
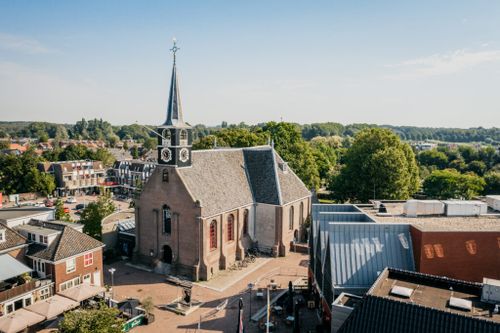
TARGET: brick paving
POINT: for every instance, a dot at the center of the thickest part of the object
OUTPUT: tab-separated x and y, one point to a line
131	282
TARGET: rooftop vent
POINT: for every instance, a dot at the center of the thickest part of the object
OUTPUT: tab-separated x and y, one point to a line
283	166
491	291
401	291
460	303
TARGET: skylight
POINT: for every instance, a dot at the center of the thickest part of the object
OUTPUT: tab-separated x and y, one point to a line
401	291
460	303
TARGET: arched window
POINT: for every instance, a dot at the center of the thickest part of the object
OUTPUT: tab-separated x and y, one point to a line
213	234
245	222
167	138
290	223
183	137
230	227
167	220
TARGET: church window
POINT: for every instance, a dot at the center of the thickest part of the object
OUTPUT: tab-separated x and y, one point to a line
167	220
290	223
166	137
245	222
230	227
183	138
165	176
213	234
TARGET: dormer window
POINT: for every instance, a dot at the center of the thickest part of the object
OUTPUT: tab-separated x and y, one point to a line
183	138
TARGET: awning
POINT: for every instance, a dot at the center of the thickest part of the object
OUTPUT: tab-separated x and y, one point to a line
82	292
19	320
52	306
11	267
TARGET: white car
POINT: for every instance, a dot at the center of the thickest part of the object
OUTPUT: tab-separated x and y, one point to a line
71	200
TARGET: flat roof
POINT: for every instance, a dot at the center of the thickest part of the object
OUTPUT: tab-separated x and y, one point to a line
37	230
435	293
119	216
18	212
489	222
11	267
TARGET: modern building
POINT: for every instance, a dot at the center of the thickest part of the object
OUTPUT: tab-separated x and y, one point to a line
64	253
200	210
118	232
73	177
349	250
405	301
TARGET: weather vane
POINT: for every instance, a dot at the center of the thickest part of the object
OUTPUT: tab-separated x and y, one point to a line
174	48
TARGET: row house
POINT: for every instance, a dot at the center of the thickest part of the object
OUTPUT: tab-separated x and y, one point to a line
132	175
76	176
20	286
63	252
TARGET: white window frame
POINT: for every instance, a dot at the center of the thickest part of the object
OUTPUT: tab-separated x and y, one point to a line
70	269
69	284
91	259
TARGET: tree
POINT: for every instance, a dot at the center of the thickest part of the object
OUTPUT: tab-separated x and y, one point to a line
150	143
492	179
478	167
433	157
134	152
377	165
94	213
451	184
104	156
59	212
208	142
103	320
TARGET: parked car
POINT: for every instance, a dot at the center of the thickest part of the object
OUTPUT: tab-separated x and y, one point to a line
71	200
66	210
80	206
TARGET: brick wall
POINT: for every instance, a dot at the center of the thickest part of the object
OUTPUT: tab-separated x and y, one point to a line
59	274
462	255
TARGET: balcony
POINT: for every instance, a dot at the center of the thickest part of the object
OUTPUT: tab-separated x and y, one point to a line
12	290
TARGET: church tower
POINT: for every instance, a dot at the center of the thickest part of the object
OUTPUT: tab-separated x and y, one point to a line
175	136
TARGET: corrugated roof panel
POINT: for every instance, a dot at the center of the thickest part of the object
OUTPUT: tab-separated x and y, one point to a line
359	251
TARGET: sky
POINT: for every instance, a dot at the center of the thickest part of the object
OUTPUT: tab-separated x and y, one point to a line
414	63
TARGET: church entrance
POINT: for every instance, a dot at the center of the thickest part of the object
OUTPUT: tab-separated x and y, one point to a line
167	254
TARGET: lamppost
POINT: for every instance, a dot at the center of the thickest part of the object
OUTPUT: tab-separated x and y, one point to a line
112	271
250	287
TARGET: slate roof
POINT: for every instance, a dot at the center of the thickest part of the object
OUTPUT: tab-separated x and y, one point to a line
262	176
12	239
68	244
377	313
225	179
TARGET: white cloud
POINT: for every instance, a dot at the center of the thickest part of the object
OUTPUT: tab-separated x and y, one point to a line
22	44
443	64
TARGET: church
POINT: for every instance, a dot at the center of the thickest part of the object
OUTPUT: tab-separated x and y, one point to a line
201	210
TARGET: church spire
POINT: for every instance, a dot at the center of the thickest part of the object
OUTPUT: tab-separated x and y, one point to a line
174	108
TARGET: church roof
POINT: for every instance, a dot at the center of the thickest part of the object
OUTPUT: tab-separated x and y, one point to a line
174	107
225	179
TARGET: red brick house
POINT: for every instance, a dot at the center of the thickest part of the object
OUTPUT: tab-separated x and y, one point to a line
63	252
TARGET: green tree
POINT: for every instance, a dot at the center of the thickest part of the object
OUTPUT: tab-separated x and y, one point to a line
433	157
95	212
60	214
290	145
150	143
492	180
134	152
208	142
377	165
451	184
102	320
478	167
103	155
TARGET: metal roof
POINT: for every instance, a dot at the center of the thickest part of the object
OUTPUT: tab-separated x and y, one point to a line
11	267
360	251
126	225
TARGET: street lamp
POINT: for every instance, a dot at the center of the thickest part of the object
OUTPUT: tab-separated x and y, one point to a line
112	271
250	287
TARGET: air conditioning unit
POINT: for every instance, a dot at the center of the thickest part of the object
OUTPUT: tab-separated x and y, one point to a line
491	291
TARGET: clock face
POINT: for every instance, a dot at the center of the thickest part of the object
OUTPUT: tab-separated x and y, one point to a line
166	155
184	155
